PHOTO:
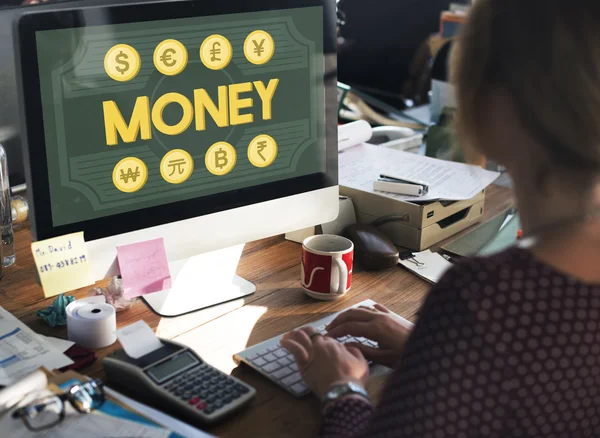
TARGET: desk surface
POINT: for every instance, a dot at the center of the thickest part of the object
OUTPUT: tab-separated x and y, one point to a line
278	305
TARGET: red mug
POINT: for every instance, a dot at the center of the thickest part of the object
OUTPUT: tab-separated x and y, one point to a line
327	266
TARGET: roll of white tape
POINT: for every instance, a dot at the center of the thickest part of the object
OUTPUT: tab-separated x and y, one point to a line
91	322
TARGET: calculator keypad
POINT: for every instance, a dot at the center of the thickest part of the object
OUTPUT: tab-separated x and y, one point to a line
206	389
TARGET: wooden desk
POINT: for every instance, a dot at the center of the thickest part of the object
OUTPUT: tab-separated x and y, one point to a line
278	305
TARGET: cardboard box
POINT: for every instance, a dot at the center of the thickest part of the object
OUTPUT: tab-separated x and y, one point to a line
416	226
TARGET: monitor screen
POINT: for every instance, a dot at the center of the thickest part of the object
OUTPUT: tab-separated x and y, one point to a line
149	114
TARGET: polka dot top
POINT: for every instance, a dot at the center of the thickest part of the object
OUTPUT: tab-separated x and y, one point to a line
505	346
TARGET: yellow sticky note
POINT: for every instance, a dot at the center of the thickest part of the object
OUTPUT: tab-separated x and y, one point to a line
63	263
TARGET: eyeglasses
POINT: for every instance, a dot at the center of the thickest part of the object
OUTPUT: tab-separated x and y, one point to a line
49	411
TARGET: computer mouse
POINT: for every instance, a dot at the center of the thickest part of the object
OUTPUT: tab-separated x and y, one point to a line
373	250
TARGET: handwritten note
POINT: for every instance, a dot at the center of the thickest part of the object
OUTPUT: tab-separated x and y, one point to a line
144	268
62	263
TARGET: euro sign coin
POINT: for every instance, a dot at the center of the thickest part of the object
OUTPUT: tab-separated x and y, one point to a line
170	57
216	52
259	47
122	62
176	166
262	151
220	158
130	175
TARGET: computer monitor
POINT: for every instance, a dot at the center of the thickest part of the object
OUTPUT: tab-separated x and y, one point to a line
209	124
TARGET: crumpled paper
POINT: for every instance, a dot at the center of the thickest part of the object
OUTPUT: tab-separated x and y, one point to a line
114	294
56	315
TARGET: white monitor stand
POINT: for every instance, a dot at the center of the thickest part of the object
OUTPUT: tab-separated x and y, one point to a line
204	251
201	281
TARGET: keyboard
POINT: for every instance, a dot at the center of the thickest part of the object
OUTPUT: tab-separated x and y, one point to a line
273	361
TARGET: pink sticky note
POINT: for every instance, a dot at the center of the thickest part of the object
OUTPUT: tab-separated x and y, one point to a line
144	267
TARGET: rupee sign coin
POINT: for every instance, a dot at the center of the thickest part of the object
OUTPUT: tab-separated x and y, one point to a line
220	158
176	166
170	57
130	175
122	62
216	52
259	47
262	151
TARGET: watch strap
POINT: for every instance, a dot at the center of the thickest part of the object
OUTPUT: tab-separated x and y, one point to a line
340	390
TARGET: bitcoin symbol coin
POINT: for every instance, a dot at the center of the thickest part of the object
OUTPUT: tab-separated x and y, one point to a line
176	166
259	47
216	52
122	62
170	57
220	158
130	175
262	151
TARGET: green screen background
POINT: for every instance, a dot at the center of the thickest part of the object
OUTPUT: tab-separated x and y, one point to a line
74	84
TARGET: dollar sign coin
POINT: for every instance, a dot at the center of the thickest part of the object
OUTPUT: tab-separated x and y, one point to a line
176	166
262	151
122	62
130	175
216	52
259	47
170	57
220	158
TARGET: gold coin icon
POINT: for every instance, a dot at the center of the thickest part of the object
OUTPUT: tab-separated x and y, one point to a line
220	158
170	57
176	166
122	62
216	52
130	175
259	47
262	151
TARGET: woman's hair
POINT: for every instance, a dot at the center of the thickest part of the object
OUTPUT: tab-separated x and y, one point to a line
545	54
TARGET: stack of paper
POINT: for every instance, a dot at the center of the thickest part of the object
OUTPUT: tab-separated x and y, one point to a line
360	165
23	351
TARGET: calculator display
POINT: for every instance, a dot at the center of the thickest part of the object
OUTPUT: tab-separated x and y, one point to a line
163	371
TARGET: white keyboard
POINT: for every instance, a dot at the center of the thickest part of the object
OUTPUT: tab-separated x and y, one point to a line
273	361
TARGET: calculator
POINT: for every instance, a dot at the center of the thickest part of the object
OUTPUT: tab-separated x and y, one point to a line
175	380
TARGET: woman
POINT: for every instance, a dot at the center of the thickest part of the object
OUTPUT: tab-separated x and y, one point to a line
507	345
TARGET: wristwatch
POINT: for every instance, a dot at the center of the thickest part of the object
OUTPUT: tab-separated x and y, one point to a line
338	391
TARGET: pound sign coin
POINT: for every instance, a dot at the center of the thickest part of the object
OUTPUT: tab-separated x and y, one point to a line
130	175
220	158
216	52
262	151
122	62
259	47
170	57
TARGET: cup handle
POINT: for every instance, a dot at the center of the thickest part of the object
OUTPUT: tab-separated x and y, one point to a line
343	276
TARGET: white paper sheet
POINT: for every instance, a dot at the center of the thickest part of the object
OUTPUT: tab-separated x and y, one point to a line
23	351
361	165
431	266
138	339
60	344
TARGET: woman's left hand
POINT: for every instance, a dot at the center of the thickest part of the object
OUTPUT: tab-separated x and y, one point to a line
323	361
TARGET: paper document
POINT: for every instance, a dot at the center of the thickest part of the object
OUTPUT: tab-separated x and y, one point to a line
159	417
428	265
23	351
60	344
62	264
76	425
361	165
144	268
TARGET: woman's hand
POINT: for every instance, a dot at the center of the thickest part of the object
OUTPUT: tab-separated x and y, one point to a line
379	325
323	361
